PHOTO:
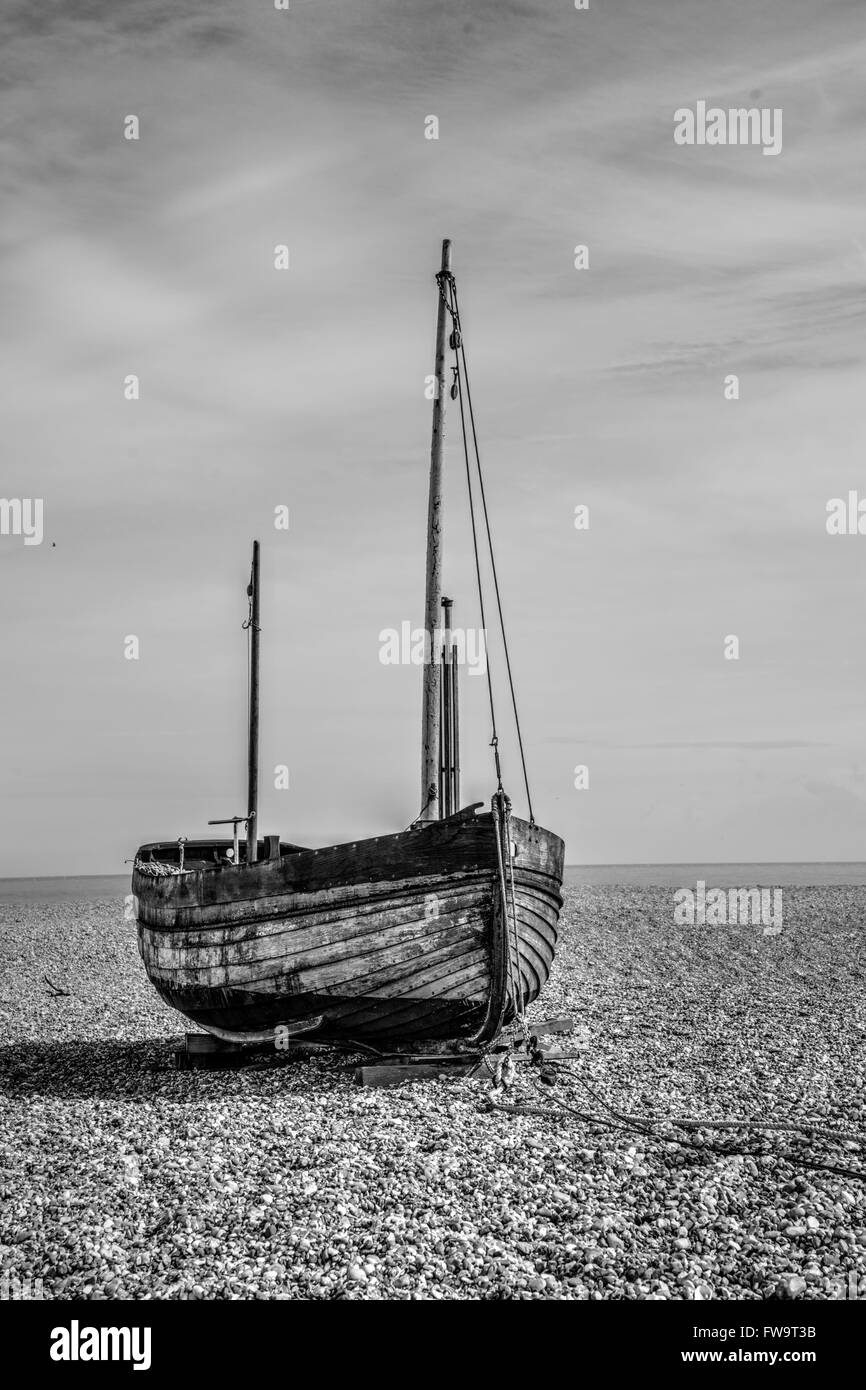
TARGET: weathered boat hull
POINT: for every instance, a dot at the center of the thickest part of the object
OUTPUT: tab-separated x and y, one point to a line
403	937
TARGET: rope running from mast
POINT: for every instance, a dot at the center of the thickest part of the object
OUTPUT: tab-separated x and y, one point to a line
461	377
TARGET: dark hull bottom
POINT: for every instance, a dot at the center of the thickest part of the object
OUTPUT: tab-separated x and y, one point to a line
357	1016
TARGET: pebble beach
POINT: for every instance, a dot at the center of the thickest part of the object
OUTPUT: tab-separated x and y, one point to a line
124	1178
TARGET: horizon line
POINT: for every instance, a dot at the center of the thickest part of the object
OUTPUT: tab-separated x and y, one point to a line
613	864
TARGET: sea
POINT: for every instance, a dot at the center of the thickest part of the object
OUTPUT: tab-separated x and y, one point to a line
800	875
88	888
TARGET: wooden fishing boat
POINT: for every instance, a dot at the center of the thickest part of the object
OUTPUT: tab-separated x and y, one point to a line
446	930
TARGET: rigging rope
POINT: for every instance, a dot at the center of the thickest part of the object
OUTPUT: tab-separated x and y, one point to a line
501	804
501	808
494	741
461	377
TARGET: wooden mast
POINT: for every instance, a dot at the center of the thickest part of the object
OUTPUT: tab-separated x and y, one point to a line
431	716
253	754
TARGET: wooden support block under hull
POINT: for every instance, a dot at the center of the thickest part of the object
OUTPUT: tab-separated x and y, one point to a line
398	1073
204	1052
201	1044
395	1071
552	1025
193	1057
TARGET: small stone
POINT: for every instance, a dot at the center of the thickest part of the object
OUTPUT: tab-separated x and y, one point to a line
790	1286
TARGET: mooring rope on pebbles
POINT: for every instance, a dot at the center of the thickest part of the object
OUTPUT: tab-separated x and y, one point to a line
652	1126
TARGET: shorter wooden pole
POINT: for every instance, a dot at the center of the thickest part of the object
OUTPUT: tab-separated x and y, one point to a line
447	714
455	735
253	758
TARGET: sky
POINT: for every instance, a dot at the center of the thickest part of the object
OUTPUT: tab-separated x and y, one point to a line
602	387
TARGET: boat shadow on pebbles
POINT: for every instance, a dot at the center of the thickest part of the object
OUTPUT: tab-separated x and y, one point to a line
141	1071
